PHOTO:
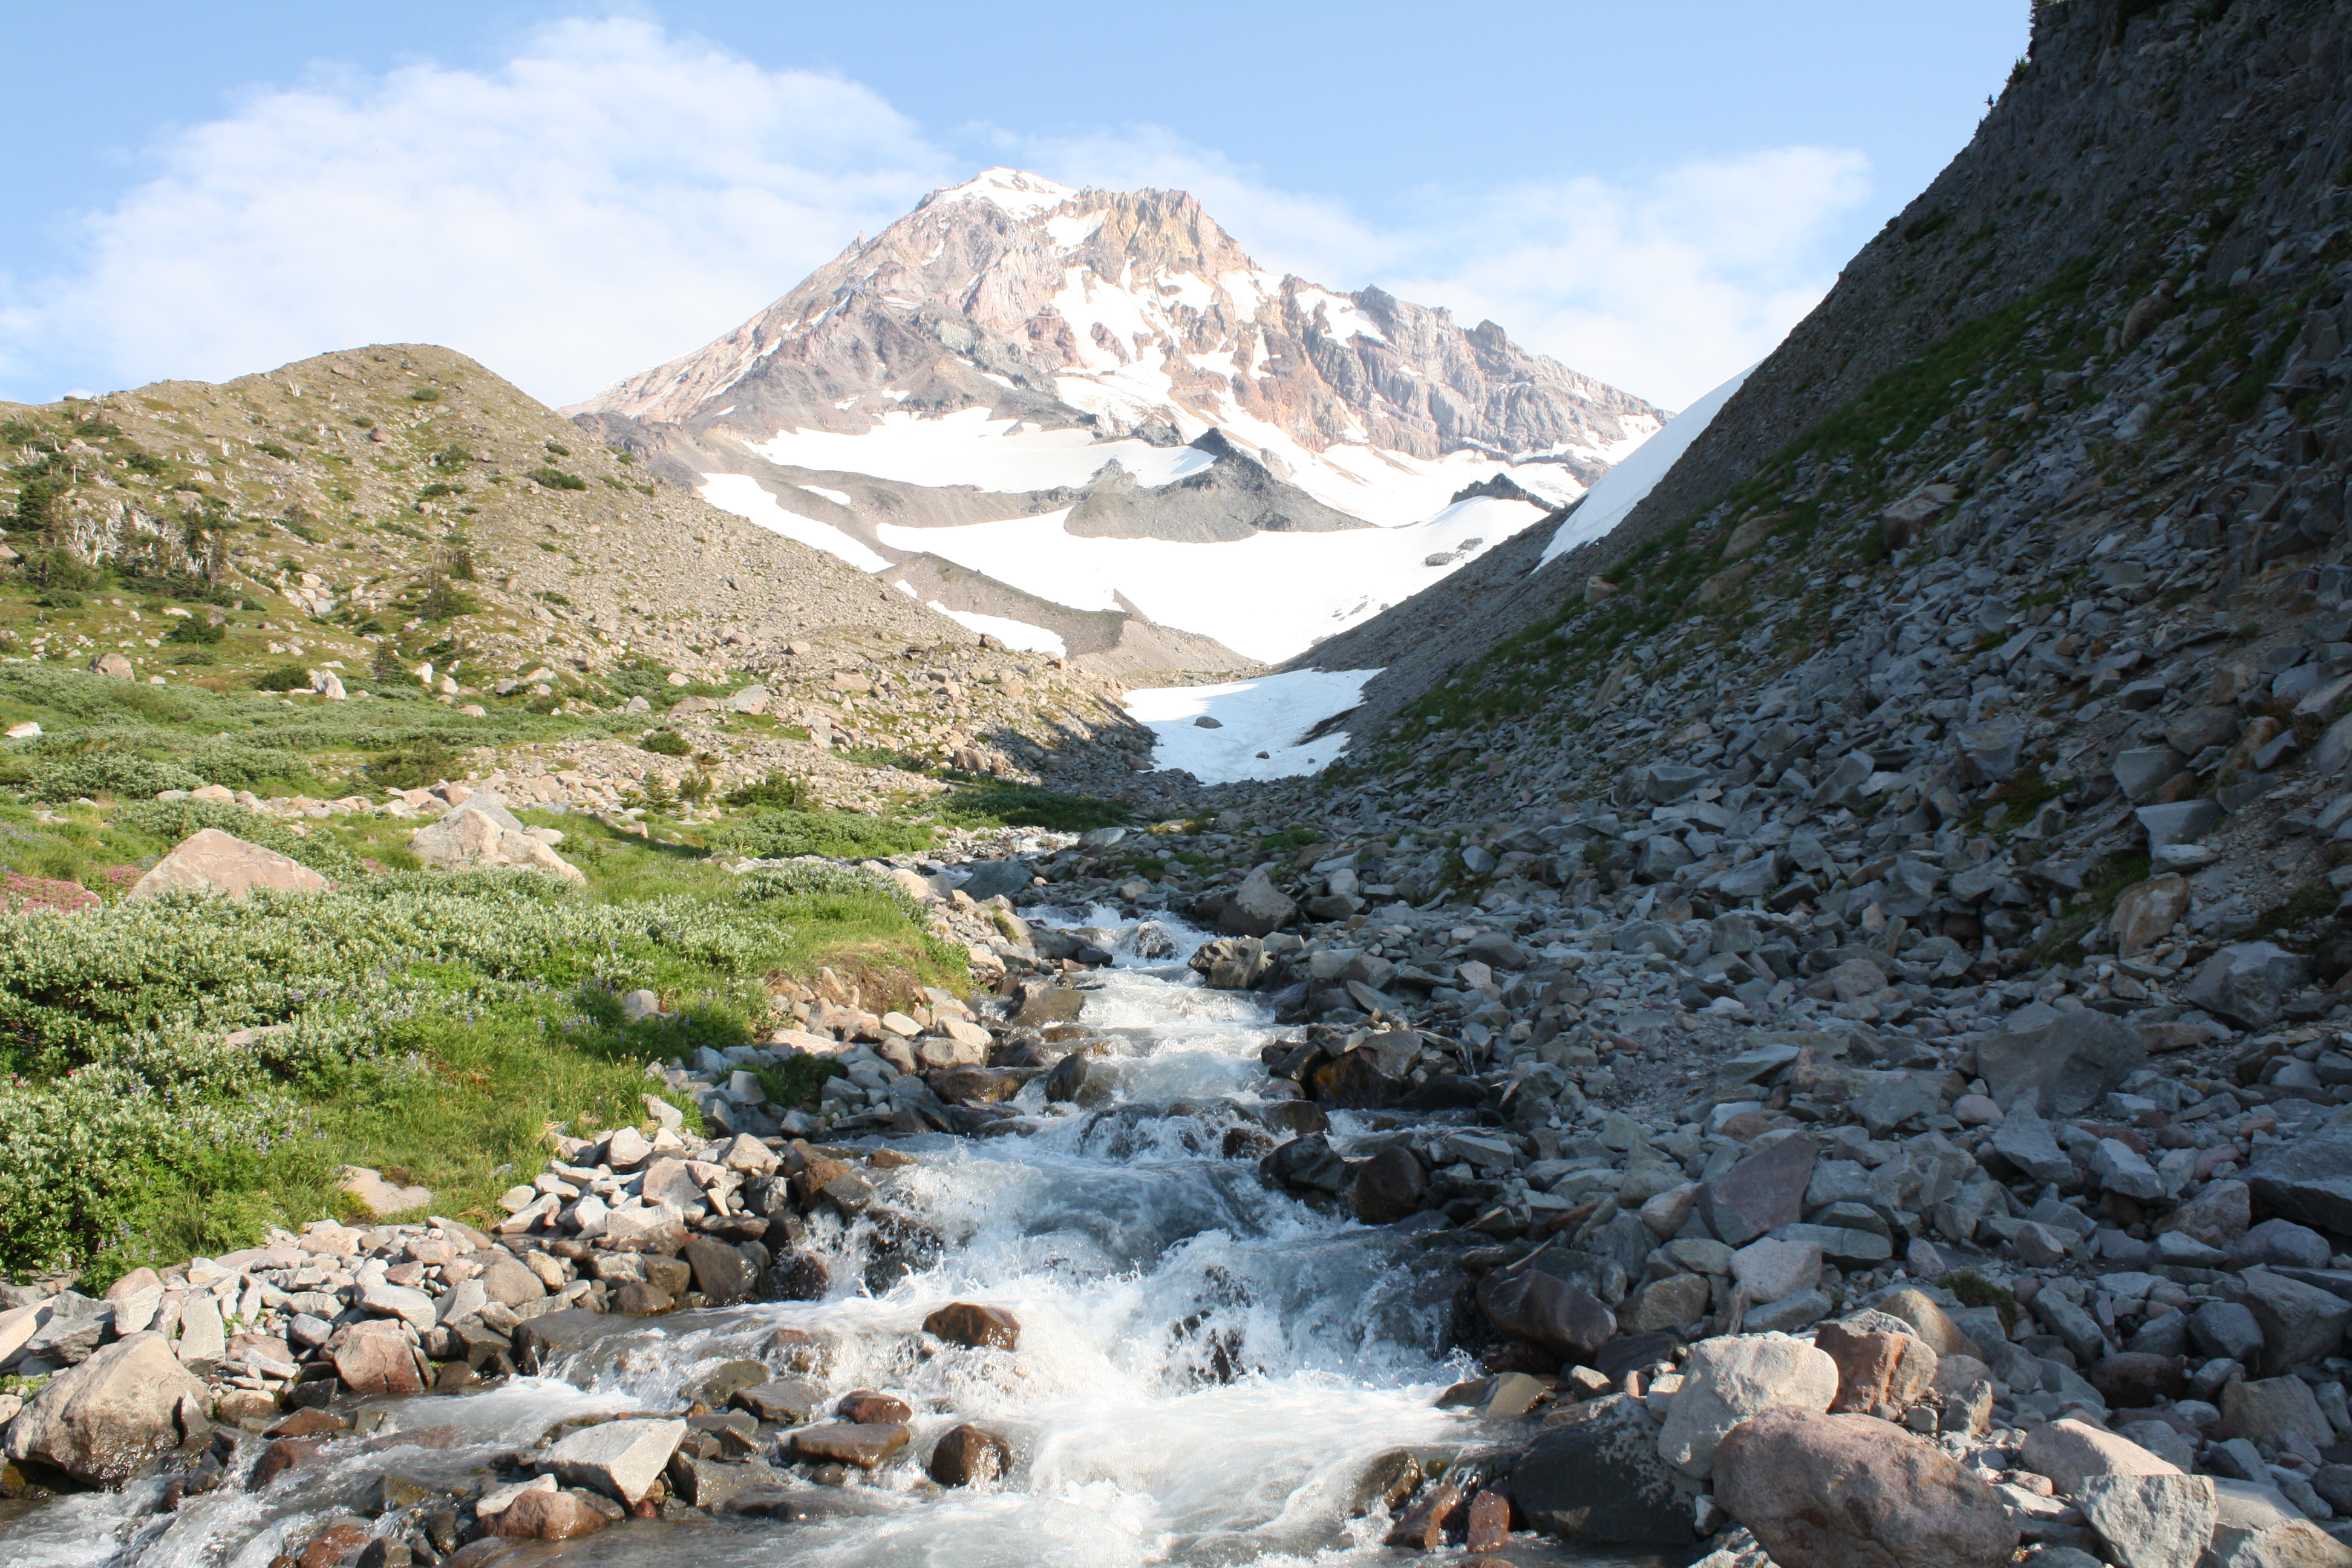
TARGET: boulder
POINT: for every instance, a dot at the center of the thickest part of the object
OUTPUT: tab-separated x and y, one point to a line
2299	1322
1387	1186
113	665
1595	1476
2256	1527
969	1457
2144	912
1876	1368
376	1358
2247	982
1930	1322
848	1442
1760	1194
2026	1141
2149	1521
2219	1214
2271	1408
620	1459
1256	908
974	1326
211	861
2072	1452
1769	1269
1728	1380
2307	1180
483	835
1847	1491
102	1420
721	1272
1531	1302
997	879
543	1515
2063	1067
1674	1303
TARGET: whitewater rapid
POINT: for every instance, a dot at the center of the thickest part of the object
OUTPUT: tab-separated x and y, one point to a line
1206	1366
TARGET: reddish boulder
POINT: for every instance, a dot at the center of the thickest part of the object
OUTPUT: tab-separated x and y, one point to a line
1847	1491
974	1326
1876	1369
970	1457
547	1516
376	1358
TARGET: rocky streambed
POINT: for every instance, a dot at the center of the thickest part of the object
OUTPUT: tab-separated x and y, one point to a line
1166	1252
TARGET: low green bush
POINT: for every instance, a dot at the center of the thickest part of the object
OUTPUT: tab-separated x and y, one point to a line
800	880
784	835
286	677
108	772
666	744
1027	805
166	1055
241	767
778	788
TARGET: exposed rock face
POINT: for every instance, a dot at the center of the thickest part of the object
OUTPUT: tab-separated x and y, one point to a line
212	862
1846	1491
99	1421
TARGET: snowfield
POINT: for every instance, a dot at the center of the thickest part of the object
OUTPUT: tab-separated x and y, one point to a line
1268	715
1267	597
968	448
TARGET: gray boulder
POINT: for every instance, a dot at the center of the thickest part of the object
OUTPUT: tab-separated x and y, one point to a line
1257	908
992	879
2064	1068
2308	1180
2246	981
1597	1478
101	1421
482	834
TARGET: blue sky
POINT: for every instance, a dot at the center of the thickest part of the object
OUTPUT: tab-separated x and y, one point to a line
1652	192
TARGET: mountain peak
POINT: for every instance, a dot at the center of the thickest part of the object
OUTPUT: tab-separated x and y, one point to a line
1134	312
1016	191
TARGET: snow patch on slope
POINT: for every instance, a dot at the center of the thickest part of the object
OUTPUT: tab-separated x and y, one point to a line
1268	596
1270	714
1005	629
742	495
1616	493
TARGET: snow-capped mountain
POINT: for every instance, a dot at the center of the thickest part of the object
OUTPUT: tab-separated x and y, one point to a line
1078	413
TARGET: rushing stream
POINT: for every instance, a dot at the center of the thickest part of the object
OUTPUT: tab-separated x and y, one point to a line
1205	1365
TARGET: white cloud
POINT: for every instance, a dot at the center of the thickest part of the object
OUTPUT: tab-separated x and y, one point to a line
611	197
615	196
